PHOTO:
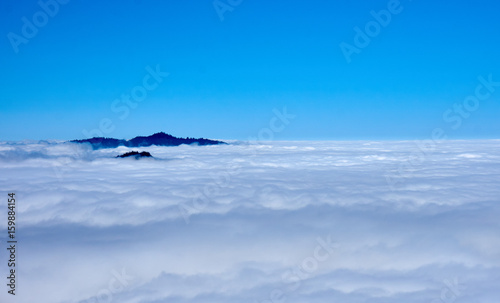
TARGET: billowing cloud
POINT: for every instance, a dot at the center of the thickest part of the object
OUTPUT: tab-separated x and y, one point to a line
268	222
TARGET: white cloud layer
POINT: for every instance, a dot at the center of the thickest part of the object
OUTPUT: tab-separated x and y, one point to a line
270	222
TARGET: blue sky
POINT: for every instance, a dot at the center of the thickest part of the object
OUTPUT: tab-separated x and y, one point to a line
225	77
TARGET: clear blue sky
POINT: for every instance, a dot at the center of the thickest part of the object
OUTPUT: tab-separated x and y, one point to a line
226	76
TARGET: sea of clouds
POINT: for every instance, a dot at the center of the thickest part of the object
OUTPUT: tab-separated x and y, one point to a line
259	222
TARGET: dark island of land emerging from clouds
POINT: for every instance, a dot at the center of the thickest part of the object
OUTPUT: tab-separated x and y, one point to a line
158	139
135	154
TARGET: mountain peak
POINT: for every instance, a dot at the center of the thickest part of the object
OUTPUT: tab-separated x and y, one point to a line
158	139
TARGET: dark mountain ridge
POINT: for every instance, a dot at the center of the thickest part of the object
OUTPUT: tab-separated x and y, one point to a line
135	154
158	139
